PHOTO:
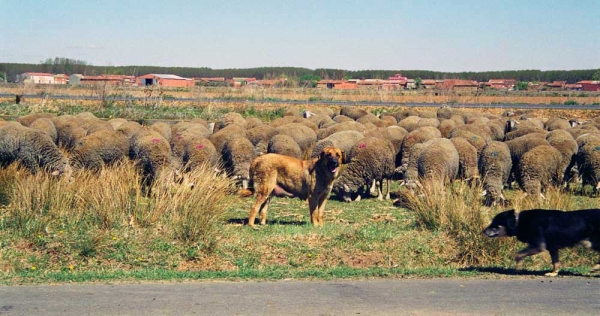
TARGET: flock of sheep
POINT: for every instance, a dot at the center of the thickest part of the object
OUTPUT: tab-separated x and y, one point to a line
446	144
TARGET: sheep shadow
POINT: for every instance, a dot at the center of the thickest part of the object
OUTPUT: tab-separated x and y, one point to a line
515	272
244	221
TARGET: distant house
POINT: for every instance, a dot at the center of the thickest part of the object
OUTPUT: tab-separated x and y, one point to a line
589	85
213	80
500	84
556	85
164	80
112	80
238	81
36	77
267	82
61	79
460	85
428	84
573	87
328	84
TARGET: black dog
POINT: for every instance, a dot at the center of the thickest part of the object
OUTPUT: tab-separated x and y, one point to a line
549	230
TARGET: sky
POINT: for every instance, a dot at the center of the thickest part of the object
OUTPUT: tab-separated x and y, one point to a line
449	36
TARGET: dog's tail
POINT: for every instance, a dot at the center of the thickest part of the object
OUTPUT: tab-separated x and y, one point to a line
245	192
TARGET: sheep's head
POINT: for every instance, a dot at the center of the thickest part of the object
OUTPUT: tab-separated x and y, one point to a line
64	170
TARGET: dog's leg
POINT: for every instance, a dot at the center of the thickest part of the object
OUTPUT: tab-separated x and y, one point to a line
313	207
322	202
263	211
261	199
555	263
526	252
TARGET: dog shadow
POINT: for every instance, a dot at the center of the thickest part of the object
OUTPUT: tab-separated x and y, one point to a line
512	271
244	221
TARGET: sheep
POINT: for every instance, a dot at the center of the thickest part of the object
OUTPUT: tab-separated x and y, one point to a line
69	129
477	141
341	119
419	135
588	164
98	125
480	130
129	128
343	140
369	159
304	136
162	128
446	112
26	120
151	153
400	115
394	134
284	145
429	121
370	118
512	134
555	123
519	146
564	142
219	138
45	125
116	122
252	122
193	128
446	127
32	149
438	160
293	119
323	111
467	158
353	112
409	123
238	154
497	130
98	149
582	129
495	165
539	168
321	120
228	119
193	150
260	133
428	114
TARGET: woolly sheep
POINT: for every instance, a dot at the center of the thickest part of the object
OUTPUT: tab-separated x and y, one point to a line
193	128
284	145
567	146
343	140
538	169
341	119
98	149
260	133
419	135
555	123
193	150
238	154
428	114
495	165
322	120
446	127
428	121
372	119
252	122
467	158
293	119
32	149
162	128
395	134
116	122
523	131
588	163
45	125
389	120
228	119
480	130
69	129
151	153
400	115
353	112
220	137
26	120
370	159
438	160
129	128
304	136
477	141
409	123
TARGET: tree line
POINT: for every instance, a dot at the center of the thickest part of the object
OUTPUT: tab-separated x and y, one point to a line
69	66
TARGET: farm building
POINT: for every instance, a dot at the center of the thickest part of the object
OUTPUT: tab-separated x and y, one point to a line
113	80
238	82
588	85
460	85
61	79
164	80
428	84
36	77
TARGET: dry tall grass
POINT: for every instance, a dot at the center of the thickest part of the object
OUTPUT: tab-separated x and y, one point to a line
114	198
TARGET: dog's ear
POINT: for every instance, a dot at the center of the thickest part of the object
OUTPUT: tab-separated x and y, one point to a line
344	159
511	221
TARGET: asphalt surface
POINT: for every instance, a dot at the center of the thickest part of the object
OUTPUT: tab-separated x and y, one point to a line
529	296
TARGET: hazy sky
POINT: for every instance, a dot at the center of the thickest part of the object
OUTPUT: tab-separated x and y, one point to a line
452	35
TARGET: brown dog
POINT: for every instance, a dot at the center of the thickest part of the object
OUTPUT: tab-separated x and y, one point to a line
280	175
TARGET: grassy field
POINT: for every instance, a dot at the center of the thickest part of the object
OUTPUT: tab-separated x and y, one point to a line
101	227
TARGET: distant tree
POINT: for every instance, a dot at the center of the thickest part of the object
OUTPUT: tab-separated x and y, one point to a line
309	80
521	85
596	75
419	82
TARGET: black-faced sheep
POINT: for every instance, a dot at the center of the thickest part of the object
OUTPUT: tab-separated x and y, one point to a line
538	169
284	145
495	165
33	149
369	159
555	123
238	154
98	149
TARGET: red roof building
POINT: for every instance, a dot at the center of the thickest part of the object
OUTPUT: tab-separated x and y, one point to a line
589	85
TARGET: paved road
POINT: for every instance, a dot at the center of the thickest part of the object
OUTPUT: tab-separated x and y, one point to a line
531	296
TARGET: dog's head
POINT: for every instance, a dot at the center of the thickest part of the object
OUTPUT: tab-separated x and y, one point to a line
332	158
503	224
